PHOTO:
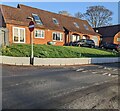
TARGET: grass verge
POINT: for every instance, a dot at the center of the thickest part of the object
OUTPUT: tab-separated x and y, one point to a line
49	51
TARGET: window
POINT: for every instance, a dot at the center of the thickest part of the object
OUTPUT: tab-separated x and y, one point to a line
37	19
57	36
118	39
78	38
18	35
74	38
76	25
39	33
86	27
55	21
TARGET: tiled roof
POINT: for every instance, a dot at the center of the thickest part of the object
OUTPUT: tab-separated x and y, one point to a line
108	31
18	16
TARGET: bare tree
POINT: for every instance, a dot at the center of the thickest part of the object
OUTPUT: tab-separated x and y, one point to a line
98	16
63	12
79	15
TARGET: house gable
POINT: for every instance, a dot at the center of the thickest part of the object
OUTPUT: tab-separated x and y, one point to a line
2	22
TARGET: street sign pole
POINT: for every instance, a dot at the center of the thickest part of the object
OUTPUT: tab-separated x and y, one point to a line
31	28
32	55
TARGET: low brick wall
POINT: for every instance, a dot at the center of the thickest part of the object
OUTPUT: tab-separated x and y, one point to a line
105	60
74	61
56	61
15	60
61	61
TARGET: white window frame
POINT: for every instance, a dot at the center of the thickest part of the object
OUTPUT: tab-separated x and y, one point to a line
55	20
19	35
118	39
86	27
41	33
61	35
76	24
41	23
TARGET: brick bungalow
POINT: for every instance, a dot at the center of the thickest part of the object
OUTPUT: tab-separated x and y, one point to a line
49	27
110	34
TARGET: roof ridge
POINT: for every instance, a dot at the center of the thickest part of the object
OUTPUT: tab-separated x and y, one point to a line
51	12
1	5
8	6
108	26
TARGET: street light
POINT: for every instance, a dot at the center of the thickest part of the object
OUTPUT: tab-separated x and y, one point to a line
31	38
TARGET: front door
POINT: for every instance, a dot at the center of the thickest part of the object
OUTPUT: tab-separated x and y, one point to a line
95	39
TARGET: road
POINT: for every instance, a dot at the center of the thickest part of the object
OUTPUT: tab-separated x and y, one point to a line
64	87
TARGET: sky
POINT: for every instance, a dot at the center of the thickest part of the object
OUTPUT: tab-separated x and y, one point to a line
71	7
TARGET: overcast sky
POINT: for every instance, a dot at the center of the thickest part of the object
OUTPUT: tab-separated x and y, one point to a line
71	7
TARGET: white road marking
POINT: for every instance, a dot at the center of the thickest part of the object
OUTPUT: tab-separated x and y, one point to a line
105	67
105	73
115	69
94	72
81	69
109	74
17	84
109	68
84	71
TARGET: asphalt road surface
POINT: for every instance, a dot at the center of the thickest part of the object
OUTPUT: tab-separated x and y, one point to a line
65	87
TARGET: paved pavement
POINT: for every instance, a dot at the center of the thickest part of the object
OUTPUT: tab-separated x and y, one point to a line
65	87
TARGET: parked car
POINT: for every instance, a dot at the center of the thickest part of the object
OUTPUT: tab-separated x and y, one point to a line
85	43
73	43
111	46
118	48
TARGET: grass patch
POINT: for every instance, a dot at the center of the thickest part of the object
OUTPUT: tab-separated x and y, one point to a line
49	51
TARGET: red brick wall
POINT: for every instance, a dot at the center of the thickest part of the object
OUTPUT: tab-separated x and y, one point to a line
112	39
47	38
108	39
48	35
116	37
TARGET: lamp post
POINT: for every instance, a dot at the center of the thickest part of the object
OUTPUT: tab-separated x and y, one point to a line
31	28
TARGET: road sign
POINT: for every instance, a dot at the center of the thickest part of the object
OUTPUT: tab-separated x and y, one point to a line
31	26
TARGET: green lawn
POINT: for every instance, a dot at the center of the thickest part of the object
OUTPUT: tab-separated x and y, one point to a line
49	51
